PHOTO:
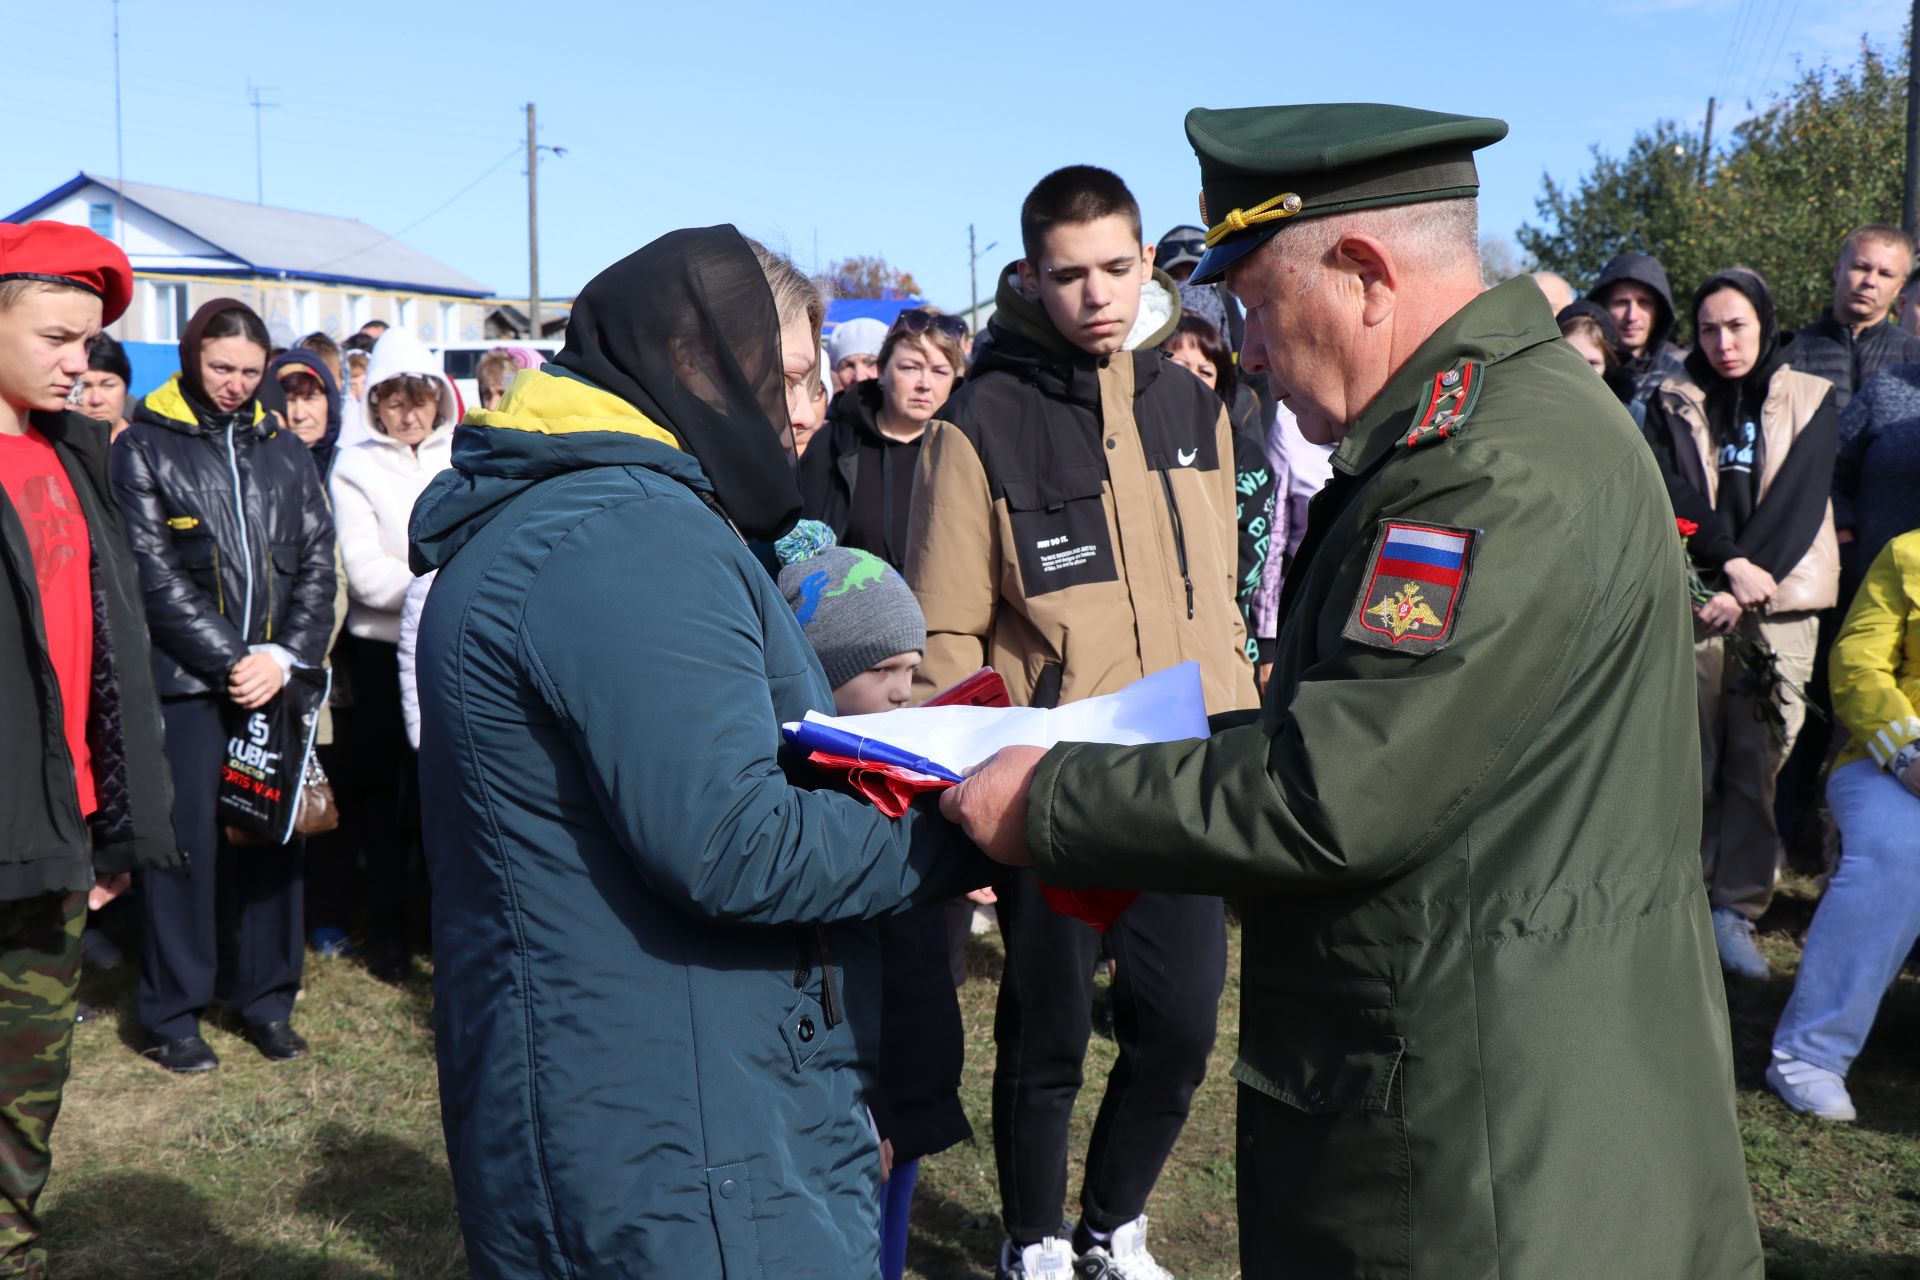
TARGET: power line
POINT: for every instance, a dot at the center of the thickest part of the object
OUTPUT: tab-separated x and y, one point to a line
1781	45
428	214
1741	20
1758	52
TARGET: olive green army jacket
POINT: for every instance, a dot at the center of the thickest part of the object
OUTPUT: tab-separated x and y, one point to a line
1483	1031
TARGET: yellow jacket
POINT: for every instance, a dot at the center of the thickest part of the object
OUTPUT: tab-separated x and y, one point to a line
1876	659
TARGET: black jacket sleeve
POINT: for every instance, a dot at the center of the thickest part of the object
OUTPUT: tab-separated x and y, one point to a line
1254	488
1786	521
1856	431
1684	473
308	627
182	617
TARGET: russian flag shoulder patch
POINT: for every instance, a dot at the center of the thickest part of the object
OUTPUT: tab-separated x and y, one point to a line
1410	600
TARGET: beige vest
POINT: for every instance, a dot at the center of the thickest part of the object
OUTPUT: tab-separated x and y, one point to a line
1792	399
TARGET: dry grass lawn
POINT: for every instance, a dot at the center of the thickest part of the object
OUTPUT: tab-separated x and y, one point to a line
332	1168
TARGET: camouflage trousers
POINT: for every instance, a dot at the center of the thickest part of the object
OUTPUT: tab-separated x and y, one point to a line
39	975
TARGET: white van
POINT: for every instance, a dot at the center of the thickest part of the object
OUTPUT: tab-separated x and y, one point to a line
460	360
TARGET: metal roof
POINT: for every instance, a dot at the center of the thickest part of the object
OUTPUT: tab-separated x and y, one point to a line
272	241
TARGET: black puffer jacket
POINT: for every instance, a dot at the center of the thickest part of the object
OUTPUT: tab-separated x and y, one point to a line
233	536
46	847
1831	350
851	451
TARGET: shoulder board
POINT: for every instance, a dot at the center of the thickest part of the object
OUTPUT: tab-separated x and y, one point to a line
1451	395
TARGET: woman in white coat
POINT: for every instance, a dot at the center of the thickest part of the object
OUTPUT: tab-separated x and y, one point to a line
412	409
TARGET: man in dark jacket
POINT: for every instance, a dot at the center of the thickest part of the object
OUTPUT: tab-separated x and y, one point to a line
1633	288
1854	339
1074	528
84	791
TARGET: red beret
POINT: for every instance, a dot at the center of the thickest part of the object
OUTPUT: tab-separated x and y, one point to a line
61	253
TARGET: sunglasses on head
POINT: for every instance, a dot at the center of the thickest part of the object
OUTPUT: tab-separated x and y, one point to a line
919	320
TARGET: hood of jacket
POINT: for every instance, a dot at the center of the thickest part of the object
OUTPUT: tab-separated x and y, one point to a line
546	425
1641	268
1015	314
1023	341
169	406
275	400
859	407
400	352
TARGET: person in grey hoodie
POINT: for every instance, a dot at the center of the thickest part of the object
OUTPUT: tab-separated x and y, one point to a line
1633	288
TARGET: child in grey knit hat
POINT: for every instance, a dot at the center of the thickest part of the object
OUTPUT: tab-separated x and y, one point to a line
863	622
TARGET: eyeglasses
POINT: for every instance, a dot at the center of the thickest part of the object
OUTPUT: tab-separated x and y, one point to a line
919	320
1176	250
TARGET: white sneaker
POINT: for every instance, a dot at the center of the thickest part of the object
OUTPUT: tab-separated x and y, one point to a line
1051	1259
1124	1257
1814	1090
1733	936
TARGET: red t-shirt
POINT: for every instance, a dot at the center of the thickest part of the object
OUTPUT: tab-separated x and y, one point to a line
42	496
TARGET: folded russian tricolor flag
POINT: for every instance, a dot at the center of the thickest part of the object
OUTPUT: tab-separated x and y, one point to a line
892	757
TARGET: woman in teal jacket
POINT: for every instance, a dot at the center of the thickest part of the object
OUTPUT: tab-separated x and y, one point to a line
656	988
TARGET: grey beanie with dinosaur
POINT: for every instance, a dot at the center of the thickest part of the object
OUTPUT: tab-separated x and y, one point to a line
855	608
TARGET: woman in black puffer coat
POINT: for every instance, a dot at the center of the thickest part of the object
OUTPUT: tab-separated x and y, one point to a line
234	540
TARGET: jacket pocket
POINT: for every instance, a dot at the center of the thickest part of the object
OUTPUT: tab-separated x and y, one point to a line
1323	1152
805	1030
730	1197
200	558
1060	532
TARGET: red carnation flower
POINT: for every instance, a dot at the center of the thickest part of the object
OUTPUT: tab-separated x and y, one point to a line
1687	527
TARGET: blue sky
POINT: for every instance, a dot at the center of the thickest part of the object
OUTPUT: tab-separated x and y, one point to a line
859	129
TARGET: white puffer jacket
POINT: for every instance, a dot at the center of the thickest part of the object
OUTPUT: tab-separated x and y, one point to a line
375	484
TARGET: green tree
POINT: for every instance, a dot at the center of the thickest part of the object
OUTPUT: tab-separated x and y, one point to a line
1822	158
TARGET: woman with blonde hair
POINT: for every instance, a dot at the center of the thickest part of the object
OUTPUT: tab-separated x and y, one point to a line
655	972
857	477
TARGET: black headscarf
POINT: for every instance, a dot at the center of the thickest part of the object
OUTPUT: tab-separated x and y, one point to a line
685	330
1727	400
190	343
1733	406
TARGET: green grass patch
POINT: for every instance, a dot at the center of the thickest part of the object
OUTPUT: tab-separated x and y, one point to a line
332	1168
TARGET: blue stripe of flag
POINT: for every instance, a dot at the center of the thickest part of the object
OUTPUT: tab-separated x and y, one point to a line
1402	549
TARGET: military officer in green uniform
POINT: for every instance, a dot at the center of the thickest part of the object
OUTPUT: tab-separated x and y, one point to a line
1483	1032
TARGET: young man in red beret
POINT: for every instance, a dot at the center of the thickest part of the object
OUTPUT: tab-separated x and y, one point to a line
84	794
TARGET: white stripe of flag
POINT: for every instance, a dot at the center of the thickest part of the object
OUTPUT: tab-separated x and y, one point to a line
1455	543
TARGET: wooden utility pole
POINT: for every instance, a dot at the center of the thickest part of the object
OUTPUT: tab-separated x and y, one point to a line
533	227
1706	141
1910	214
973	272
259	104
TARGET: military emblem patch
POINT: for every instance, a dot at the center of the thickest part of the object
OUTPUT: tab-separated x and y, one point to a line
1414	581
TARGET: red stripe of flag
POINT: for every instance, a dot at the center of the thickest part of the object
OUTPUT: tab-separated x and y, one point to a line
1389	567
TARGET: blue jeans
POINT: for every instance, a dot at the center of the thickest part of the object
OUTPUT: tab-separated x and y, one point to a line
1866	924
896	1205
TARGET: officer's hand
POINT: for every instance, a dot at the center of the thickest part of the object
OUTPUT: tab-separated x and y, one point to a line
1751	585
1910	777
991	805
1719	615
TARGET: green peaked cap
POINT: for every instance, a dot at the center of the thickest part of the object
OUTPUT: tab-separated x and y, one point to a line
1263	167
